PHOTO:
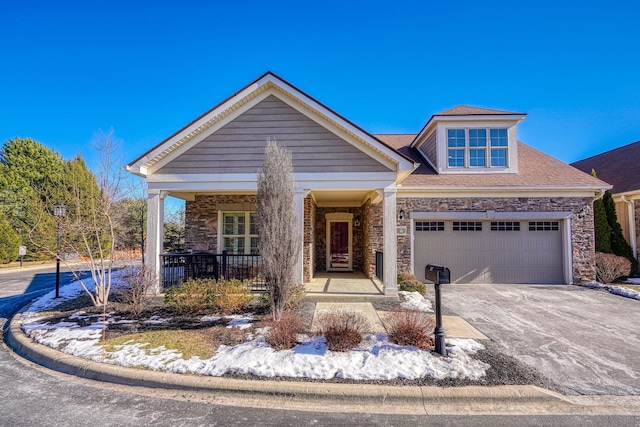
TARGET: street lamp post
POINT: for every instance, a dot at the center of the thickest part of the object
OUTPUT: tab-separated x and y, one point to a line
59	210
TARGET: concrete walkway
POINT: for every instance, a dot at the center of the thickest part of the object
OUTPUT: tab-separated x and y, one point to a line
586	340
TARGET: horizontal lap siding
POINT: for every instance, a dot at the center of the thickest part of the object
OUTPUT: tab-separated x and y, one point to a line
238	147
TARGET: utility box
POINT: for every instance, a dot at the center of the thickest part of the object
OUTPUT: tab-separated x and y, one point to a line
437	274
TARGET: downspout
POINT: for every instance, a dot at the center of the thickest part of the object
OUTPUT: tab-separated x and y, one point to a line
600	195
632	224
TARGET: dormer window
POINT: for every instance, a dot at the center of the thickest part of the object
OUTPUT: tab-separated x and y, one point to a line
467	148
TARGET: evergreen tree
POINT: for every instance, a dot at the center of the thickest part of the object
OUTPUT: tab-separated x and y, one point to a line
601	225
31	175
9	241
619	245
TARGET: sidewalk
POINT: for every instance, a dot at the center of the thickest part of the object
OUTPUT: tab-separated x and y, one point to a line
472	400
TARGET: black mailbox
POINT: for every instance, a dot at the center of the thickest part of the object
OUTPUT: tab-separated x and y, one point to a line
437	274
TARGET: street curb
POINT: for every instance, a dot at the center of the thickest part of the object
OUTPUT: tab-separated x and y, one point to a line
314	395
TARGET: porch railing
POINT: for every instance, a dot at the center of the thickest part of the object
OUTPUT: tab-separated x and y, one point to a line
379	266
179	267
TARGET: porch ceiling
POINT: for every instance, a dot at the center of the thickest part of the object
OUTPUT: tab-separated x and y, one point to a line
324	198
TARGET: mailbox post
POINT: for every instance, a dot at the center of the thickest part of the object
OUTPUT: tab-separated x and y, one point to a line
438	275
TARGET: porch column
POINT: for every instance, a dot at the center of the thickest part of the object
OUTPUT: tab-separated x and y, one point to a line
390	242
298	270
155	227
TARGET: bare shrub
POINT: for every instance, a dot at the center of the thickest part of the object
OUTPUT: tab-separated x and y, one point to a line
283	334
404	276
410	328
343	329
609	267
221	335
139	281
277	221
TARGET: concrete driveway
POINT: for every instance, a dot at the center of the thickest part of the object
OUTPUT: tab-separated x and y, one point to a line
587	341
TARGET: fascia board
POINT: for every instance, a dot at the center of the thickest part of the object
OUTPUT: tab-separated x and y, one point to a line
630	195
458	191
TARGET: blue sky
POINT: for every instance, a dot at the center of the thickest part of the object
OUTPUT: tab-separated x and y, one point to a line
145	69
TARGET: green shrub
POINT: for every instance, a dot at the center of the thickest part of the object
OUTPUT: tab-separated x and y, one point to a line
226	296
190	297
343	329
297	293
230	296
413	286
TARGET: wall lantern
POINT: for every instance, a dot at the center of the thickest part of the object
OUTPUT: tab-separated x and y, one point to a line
401	215
356	221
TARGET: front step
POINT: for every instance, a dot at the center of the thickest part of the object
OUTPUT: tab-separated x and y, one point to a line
344	297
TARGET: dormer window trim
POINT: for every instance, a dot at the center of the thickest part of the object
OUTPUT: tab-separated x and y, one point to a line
477	147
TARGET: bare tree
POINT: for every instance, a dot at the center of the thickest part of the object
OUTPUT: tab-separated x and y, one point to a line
279	242
88	227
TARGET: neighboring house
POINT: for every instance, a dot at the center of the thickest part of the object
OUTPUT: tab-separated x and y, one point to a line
463	192
620	167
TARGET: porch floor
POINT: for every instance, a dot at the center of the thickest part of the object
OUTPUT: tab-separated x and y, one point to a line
347	286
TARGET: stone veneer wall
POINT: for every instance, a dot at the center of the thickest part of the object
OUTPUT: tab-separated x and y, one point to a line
201	219
309	240
582	234
321	237
373	238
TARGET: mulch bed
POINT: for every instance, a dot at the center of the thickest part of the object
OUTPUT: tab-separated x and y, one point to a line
505	370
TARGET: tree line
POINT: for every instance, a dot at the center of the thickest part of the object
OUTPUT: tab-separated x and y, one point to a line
105	210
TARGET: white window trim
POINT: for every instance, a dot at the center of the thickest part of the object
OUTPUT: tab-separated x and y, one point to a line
247	230
467	148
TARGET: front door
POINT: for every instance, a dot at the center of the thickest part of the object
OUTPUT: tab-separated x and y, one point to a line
339	246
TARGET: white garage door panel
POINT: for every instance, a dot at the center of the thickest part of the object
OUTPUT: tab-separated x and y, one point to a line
492	256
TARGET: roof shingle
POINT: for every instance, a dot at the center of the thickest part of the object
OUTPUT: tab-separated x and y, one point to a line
619	167
535	169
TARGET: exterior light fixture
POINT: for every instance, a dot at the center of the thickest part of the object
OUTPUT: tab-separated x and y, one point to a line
356	221
401	215
59	211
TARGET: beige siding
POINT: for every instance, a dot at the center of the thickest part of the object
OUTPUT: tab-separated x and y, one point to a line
428	148
622	212
238	147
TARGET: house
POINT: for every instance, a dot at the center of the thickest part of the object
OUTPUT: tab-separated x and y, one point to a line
463	192
619	167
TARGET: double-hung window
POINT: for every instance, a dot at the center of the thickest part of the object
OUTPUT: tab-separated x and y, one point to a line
477	148
239	233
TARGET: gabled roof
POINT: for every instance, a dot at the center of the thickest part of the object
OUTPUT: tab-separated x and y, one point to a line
469	113
465	110
619	167
536	170
227	108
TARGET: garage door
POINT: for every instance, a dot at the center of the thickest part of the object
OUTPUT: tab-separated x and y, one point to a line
491	251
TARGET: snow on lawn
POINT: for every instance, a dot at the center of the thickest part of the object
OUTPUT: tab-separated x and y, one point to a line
617	290
415	301
375	359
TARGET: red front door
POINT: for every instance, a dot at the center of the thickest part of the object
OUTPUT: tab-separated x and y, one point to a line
339	247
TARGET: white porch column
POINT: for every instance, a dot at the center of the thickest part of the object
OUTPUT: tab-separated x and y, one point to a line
155	227
299	207
390	242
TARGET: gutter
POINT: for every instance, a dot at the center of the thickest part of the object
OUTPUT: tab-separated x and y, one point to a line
600	195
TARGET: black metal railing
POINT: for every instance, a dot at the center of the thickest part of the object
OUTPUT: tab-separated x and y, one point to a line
179	267
379	266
